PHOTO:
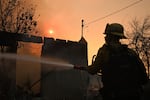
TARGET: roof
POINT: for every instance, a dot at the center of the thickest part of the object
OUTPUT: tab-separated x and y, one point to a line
82	40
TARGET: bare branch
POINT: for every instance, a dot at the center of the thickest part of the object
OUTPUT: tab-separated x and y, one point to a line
141	41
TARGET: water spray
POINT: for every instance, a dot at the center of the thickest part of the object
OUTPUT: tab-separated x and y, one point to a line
55	65
34	59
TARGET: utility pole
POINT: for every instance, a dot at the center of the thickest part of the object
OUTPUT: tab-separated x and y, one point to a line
82	27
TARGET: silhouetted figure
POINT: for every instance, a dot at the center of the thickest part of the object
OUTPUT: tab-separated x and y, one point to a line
123	72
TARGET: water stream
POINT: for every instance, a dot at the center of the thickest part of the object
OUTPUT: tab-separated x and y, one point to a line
61	65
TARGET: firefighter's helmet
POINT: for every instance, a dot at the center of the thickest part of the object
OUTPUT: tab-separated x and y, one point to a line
115	29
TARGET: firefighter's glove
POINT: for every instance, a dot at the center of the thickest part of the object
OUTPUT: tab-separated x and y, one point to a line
79	67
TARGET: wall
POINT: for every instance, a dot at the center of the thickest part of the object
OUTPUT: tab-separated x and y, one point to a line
64	84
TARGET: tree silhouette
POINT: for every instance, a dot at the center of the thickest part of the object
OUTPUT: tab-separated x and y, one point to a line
140	42
17	16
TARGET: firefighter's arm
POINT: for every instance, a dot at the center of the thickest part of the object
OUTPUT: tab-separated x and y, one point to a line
95	67
99	61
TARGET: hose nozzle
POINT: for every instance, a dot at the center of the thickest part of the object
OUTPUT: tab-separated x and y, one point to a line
79	67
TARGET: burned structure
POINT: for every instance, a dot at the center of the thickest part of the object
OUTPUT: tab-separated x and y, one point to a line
64	84
9	44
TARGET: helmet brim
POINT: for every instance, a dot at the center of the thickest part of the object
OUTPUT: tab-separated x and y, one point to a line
119	34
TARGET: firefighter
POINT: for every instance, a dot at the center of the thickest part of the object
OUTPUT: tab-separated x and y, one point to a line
123	72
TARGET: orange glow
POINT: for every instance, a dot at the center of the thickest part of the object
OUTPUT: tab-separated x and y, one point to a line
51	31
64	17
